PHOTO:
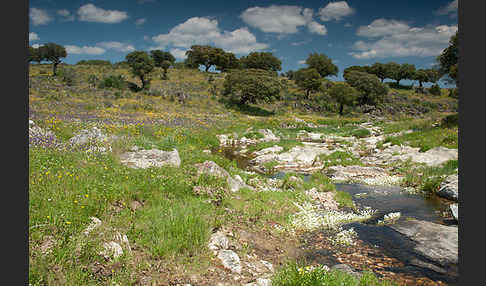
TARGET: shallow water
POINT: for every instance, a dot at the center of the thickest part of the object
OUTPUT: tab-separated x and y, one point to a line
387	199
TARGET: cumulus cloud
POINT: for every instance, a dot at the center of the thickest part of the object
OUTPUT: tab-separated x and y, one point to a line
66	14
282	19
301	62
35	46
450	9
317	28
205	31
391	38
117	46
335	11
85	50
140	21
33	37
39	16
91	13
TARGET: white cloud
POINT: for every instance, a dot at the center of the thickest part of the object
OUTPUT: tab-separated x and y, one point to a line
66	14
205	31
35	46
39	16
383	27
317	28
450	8
398	39
277	19
33	37
140	21
301	62
117	46
91	13
335	11
179	54
71	49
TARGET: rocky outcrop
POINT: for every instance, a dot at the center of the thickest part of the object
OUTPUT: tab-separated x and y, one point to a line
435	242
449	188
150	158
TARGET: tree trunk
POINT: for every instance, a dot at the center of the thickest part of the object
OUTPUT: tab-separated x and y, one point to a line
54	68
143	81
307	94
207	68
341	109
420	83
398	82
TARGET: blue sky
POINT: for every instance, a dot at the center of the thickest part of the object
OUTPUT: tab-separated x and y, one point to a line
353	32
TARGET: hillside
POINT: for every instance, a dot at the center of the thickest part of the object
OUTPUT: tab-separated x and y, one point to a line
257	183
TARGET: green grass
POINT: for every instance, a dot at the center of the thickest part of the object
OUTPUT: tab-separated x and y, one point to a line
296	274
339	158
427	139
428	179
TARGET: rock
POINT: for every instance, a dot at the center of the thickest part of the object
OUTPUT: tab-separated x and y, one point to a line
455	211
230	260
268	135
150	158
364	175
111	249
263	282
436	242
85	136
211	168
207	151
309	136
95	222
218	241
269	150
299	158
449	188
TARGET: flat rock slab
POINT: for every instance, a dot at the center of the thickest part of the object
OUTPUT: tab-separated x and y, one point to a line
436	242
150	158
449	188
299	157
455	211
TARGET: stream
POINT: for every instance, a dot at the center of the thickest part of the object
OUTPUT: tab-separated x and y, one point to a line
390	243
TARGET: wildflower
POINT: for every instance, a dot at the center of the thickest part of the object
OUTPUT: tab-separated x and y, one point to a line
75	201
48	217
68	222
86	195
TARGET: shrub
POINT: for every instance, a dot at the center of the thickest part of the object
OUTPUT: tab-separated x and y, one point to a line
113	81
450	121
435	89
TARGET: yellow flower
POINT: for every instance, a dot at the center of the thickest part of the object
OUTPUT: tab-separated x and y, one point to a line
68	222
75	201
86	195
48	217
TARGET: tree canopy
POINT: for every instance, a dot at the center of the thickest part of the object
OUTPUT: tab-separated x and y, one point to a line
322	64
141	65
344	94
307	79
252	85
448	58
261	60
370	87
52	52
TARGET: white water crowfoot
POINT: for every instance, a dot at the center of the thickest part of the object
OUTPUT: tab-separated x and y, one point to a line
311	217
390	218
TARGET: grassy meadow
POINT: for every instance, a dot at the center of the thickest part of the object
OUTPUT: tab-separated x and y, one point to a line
168	226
